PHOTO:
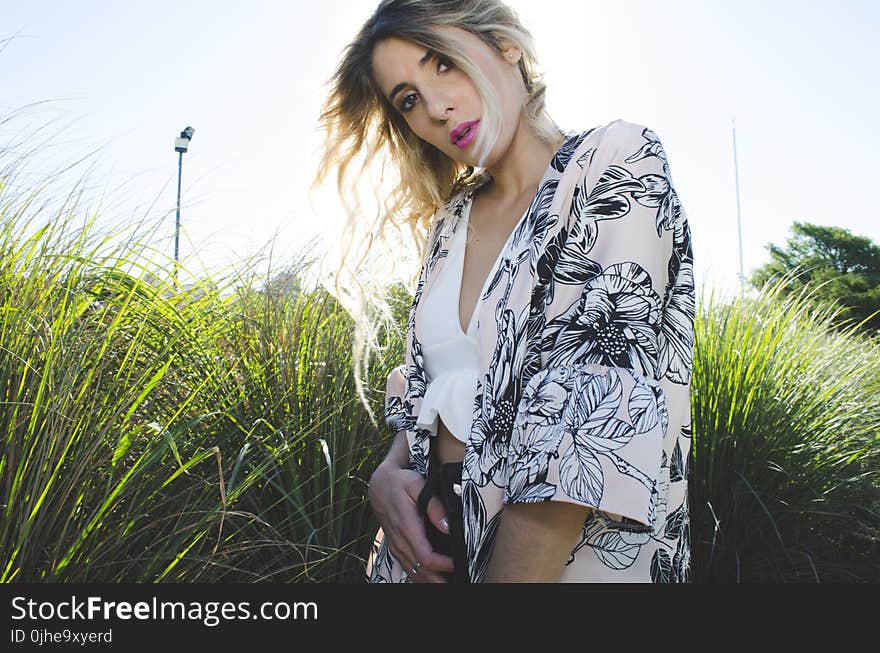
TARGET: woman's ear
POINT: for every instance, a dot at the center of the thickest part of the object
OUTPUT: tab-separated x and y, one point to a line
510	51
512	54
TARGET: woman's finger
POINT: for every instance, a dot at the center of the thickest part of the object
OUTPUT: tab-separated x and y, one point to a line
438	515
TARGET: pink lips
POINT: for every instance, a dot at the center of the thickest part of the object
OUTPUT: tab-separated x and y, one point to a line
468	138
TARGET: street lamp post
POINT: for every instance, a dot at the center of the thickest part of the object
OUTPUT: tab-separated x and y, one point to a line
180	146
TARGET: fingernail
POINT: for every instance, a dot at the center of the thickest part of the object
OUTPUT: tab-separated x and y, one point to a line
444	525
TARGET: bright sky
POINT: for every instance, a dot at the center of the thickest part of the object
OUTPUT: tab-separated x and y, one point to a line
799	79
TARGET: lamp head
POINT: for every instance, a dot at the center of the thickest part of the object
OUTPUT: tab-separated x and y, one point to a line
181	143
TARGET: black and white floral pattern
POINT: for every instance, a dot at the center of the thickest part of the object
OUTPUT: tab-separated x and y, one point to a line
586	339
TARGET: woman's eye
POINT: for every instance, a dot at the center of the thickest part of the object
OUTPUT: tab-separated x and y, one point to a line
405	106
446	63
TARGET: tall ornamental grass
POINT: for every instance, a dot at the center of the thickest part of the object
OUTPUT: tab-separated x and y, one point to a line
313	467
158	434
784	482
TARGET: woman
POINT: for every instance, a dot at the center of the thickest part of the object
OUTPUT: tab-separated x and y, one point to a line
542	414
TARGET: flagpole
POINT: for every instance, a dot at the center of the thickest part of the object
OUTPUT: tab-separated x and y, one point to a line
738	217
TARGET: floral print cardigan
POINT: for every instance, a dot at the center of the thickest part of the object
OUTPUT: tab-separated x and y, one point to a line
585	347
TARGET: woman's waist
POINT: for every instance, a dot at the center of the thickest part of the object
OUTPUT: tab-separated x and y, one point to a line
448	448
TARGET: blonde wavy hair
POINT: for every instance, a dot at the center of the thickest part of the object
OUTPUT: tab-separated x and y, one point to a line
358	122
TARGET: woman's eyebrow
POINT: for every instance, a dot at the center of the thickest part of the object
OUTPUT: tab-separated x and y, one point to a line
397	89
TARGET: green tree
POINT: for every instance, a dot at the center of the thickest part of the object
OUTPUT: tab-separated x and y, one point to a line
839	266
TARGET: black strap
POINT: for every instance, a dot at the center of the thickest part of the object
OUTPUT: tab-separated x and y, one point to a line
433	486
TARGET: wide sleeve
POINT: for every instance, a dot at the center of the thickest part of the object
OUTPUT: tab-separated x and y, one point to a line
396	416
590	425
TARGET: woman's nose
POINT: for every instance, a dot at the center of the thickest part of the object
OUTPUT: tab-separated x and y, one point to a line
438	106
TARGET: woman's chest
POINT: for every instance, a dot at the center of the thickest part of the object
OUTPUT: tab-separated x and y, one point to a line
488	230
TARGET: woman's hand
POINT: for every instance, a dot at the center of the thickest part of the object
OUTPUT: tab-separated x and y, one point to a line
393	493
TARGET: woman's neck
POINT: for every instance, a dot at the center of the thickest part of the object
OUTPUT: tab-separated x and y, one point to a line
525	163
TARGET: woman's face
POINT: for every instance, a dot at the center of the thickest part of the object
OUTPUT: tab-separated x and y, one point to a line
438	101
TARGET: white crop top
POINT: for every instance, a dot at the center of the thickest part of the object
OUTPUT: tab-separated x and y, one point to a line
449	355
